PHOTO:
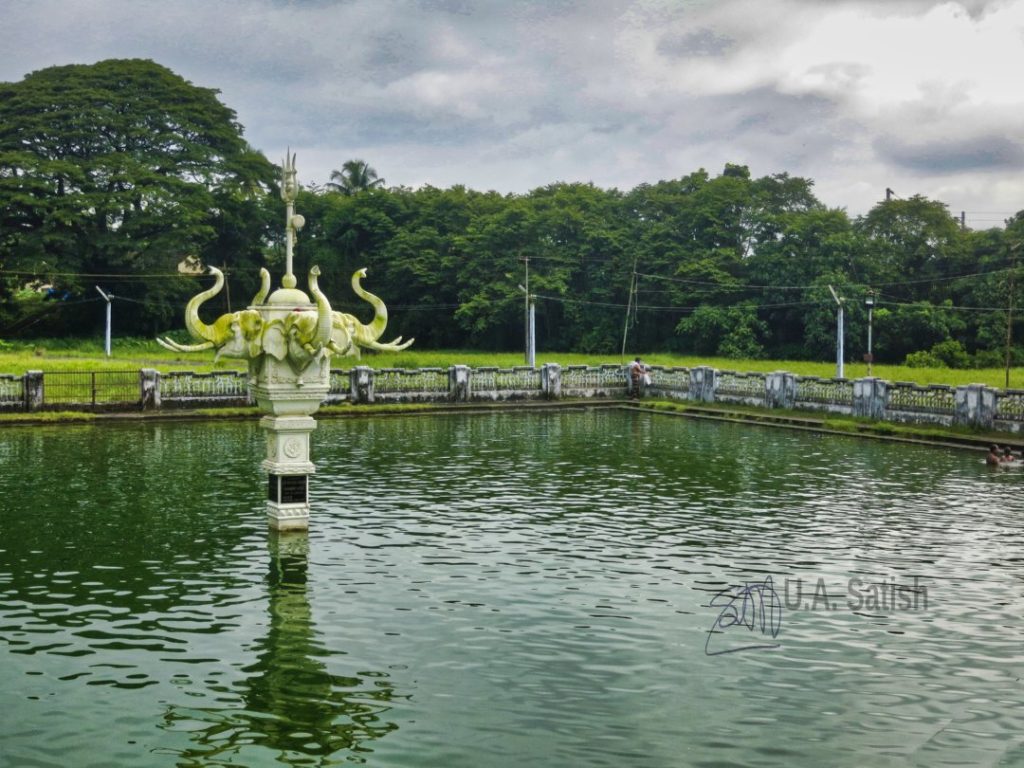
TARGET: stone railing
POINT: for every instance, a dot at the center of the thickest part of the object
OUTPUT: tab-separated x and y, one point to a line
1010	406
911	402
595	381
415	385
742	388
672	383
833	395
972	405
187	389
12	392
519	383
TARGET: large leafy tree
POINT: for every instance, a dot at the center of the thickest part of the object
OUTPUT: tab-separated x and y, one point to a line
123	167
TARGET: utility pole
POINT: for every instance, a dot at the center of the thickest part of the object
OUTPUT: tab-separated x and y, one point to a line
870	302
527	315
1009	310
106	342
227	285
629	305
888	194
963	220
839	334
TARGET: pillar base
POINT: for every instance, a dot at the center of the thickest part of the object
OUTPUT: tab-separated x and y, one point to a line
288	517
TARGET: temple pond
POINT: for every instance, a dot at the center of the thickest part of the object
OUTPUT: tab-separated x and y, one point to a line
509	589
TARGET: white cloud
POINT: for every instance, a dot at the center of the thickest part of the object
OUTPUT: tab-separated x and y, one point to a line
856	94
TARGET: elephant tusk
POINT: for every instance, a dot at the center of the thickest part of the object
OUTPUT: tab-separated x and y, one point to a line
176	347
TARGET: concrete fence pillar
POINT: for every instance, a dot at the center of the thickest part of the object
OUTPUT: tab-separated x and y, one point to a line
361	384
33	381
703	382
551	381
779	389
870	398
460	383
974	405
149	389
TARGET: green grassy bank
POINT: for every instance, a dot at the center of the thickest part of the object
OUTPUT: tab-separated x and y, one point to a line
65	355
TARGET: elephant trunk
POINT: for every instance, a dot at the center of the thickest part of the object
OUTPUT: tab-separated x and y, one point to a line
323	311
261	296
374	329
197	327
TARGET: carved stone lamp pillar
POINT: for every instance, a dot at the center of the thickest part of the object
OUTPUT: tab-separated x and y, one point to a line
289	381
288	340
289	399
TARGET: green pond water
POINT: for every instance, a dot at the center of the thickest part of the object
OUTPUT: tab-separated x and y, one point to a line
559	589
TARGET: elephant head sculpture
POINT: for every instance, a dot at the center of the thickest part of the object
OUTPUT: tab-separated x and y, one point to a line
300	337
235	334
361	335
304	335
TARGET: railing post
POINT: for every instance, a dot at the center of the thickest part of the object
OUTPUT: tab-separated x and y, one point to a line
974	406
33	385
779	389
149	389
459	383
703	383
361	384
551	381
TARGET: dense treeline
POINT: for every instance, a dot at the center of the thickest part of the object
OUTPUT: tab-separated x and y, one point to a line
96	179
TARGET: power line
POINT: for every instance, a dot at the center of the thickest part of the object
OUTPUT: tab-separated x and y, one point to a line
654	308
760	286
135	276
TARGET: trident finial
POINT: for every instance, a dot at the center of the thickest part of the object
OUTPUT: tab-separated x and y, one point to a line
293	222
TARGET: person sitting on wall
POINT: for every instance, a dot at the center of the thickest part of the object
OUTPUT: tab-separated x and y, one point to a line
992	459
636	375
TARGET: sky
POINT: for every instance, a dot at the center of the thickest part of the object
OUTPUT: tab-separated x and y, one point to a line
919	96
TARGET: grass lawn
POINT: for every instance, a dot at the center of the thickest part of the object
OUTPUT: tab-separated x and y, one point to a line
16	357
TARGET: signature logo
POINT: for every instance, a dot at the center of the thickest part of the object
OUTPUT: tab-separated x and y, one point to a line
754	607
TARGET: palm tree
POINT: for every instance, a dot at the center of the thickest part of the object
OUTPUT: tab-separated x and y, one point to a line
354	176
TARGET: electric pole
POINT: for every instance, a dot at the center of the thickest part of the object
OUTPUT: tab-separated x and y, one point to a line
839	334
106	341
527	315
629	305
1009	309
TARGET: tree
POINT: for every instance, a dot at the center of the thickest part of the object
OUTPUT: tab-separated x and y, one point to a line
121	167
355	176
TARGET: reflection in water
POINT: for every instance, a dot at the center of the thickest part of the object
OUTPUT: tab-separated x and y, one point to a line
293	704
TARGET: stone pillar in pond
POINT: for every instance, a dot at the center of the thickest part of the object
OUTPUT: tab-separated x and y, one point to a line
551	380
459	384
33	383
361	385
780	389
289	400
149	389
869	398
702	383
974	405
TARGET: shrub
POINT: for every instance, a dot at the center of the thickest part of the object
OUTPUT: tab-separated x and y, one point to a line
923	359
952	354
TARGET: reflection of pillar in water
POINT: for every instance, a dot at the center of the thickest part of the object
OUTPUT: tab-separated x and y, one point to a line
293	705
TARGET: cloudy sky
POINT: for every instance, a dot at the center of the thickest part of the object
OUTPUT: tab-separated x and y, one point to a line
922	96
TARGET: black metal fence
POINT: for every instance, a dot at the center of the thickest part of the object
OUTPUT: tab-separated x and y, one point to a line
94	388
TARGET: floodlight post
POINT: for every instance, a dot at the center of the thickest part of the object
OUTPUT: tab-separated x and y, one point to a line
869	302
106	339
